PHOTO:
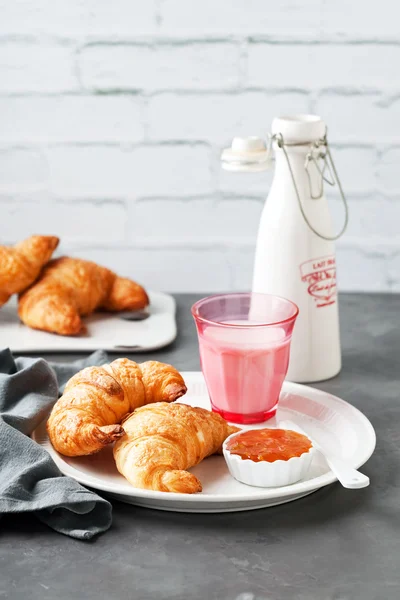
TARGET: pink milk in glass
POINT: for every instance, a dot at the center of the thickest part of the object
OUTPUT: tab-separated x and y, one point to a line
244	342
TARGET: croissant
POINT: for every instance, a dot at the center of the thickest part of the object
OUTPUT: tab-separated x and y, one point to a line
86	417
21	264
70	288
162	440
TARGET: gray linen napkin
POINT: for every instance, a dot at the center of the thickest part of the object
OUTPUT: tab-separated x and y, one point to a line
29	479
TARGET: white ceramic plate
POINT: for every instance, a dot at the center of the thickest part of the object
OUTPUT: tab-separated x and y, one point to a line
104	331
332	422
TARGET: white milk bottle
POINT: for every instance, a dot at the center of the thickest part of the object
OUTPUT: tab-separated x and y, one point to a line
295	253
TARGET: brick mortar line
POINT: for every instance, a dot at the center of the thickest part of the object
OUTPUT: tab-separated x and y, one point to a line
56	201
375	247
188	38
391	93
37	40
384	97
181	92
124	145
148	92
326	41
378	97
158	17
219	197
8	193
77	68
161	42
127	145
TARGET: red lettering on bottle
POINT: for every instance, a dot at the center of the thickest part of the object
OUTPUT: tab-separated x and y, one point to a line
320	276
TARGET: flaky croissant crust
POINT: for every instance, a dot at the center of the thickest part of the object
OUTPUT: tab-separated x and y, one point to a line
162	440
20	265
87	417
70	288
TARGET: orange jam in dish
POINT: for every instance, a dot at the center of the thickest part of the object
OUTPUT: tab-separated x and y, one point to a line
268	444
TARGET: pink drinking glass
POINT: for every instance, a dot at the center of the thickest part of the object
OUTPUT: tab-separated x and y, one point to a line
244	342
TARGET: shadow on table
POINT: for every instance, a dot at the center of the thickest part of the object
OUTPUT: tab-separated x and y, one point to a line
328	504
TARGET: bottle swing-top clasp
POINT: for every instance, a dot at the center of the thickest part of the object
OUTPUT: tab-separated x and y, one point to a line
253	154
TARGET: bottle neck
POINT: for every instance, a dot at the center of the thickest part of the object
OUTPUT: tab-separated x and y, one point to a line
308	178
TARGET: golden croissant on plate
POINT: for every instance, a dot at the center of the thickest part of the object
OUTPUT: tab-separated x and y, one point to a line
21	264
87	417
162	440
69	288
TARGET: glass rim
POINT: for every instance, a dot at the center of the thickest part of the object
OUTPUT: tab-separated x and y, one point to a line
197	305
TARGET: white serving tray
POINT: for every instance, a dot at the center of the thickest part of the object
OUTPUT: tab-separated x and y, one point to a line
104	331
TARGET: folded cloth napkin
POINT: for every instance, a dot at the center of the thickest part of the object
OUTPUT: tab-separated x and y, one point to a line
29	479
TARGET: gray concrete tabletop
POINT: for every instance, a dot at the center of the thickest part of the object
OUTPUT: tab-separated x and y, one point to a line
335	544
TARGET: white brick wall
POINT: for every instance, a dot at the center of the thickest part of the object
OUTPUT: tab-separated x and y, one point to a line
162	66
66	119
36	67
363	67
113	116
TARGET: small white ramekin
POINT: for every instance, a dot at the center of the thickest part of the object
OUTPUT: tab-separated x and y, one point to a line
267	474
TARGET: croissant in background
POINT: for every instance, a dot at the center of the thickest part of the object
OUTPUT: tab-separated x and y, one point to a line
163	440
86	417
21	264
70	288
